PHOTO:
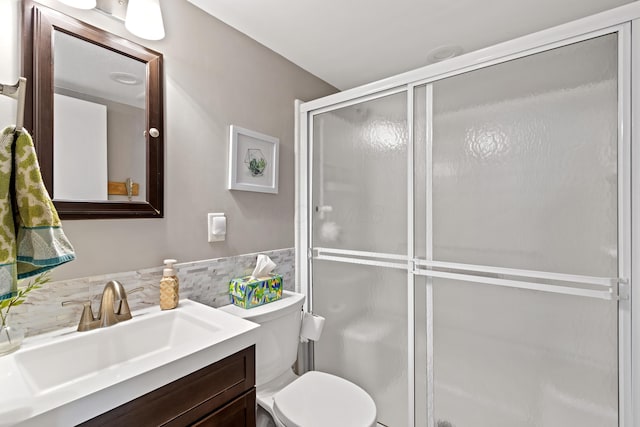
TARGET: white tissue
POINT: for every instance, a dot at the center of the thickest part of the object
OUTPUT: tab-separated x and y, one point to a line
312	326
264	267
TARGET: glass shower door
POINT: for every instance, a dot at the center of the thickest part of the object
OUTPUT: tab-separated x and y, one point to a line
499	276
520	243
359	240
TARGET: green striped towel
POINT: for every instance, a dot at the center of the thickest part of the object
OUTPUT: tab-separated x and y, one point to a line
31	236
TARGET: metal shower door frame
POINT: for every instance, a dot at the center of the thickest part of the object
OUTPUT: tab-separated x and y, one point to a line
615	21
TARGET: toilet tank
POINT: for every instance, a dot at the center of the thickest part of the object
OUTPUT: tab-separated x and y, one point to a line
278	336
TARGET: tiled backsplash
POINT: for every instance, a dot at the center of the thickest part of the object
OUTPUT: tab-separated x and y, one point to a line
203	281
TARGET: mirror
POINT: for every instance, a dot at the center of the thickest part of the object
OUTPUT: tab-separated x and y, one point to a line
96	117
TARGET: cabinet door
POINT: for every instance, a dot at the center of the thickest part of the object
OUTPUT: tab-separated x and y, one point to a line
188	399
240	412
81	171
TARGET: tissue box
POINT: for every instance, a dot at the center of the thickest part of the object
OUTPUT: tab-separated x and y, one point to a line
247	293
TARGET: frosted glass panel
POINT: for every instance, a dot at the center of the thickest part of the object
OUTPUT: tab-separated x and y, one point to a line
365	335
360	176
524	162
516	358
421	372
420	160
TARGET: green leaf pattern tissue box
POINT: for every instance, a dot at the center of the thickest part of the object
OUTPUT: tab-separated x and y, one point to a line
248	293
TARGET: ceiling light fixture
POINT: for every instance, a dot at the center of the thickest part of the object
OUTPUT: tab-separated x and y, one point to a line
443	52
142	18
124	78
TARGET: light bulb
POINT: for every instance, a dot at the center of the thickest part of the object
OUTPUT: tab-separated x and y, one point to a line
144	19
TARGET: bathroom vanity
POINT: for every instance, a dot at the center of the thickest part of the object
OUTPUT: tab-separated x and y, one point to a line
194	365
221	394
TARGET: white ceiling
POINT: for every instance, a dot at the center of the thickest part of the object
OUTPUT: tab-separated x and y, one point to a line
86	68
352	42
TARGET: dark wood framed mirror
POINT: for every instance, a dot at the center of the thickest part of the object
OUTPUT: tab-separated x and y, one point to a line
95	110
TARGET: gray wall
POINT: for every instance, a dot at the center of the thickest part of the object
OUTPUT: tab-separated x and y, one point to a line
214	77
127	150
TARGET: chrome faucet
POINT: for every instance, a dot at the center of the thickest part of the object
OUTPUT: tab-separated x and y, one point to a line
108	313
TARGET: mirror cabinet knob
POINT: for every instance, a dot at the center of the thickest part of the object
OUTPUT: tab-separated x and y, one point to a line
153	132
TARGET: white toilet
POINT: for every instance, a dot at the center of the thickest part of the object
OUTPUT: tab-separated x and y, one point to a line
315	399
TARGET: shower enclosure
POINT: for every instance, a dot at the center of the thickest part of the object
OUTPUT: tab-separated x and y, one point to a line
466	230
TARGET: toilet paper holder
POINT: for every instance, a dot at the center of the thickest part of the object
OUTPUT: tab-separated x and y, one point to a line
312	326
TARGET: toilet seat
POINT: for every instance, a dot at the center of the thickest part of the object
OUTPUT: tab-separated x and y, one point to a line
318	399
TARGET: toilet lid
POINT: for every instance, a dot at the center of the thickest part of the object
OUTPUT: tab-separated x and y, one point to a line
317	399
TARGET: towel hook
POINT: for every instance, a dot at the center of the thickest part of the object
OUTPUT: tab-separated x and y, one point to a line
17	92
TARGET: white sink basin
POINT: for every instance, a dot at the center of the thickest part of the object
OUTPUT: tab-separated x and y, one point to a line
66	377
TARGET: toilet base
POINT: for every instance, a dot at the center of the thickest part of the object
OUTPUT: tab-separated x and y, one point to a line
264	419
264	397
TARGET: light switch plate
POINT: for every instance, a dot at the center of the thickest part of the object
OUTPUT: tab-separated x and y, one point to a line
216	227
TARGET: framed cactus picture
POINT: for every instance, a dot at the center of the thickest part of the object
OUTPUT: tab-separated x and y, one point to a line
253	161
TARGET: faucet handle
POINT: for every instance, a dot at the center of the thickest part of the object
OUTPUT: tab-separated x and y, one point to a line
86	318
124	312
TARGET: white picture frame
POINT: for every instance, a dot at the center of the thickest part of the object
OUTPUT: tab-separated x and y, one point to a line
253	161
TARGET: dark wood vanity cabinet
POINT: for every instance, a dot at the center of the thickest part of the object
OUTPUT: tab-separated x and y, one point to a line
220	395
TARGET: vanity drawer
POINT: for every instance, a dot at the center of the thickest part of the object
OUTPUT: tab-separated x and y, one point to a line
239	413
189	399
